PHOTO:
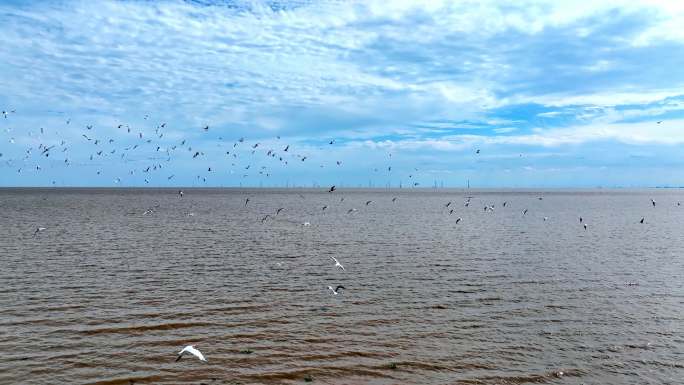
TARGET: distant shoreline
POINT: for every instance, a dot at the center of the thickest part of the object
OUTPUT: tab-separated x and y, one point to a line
339	189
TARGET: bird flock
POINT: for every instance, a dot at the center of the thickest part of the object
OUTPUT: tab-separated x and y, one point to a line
147	152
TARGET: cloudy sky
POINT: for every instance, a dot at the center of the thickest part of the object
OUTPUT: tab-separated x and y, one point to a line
552	93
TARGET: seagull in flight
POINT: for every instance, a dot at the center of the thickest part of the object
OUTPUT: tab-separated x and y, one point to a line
350	211
246	201
394	199
642	220
653	202
38	230
191	349
279	210
335	291
368	202
332	189
337	263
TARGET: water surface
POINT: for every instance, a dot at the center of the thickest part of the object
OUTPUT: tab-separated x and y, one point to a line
107	295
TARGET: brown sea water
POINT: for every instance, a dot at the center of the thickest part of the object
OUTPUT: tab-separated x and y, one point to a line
107	295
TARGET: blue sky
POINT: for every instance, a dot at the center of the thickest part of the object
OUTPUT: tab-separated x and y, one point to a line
552	93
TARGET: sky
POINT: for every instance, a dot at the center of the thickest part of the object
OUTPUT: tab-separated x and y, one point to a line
411	93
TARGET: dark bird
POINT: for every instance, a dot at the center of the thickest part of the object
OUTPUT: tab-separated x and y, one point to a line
287	148
368	202
524	211
448	204
246	201
458	219
478	151
660	121
580	219
585	226
332	189
653	202
206	128
350	211
642	220
279	210
324	207
265	218
504	204
332	141
180	193
394	199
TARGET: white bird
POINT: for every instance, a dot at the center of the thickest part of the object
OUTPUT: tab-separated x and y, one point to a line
335	291
585	226
191	349
38	230
306	224
337	263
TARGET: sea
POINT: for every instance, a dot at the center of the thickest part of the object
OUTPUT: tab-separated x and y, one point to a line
441	286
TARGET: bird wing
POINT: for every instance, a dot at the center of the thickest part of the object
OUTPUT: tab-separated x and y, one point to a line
197	353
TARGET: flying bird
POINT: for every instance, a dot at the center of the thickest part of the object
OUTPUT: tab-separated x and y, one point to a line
332	189
180	193
191	349
394	199
337	263
642	220
246	201
585	226
38	230
279	210
524	211
368	202
458	219
653	202
335	291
